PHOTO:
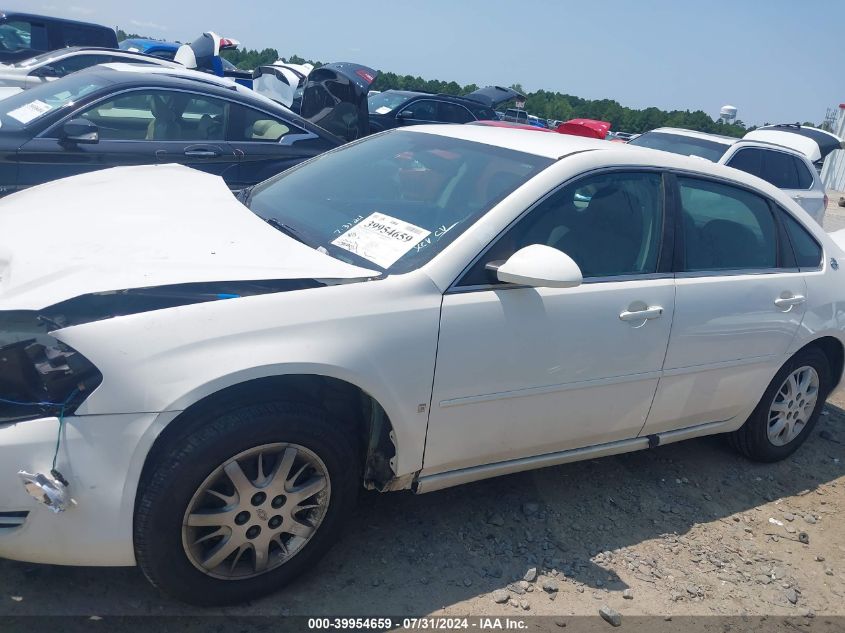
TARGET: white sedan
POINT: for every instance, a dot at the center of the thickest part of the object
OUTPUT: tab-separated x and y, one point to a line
200	384
34	71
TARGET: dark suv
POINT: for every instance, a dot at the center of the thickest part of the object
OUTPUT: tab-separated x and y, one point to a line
23	35
394	108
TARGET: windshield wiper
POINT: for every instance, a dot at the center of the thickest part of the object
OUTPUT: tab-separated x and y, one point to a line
288	230
243	195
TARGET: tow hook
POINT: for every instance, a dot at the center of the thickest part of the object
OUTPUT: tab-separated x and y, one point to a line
52	490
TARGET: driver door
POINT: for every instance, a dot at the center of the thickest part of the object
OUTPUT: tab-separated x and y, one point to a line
419	112
525	371
139	127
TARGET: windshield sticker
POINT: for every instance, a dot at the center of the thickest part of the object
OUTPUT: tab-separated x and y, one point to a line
382	110
381	239
30	111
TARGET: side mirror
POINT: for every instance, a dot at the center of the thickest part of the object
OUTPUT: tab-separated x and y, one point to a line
80	131
405	114
539	266
45	71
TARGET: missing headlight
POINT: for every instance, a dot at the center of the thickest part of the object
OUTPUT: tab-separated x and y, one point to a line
40	375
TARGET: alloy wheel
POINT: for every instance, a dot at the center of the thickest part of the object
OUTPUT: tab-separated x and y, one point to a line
793	405
255	511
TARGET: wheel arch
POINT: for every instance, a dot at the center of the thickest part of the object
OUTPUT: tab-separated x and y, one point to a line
345	401
833	348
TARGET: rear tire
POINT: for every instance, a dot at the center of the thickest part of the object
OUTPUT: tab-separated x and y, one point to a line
302	475
788	410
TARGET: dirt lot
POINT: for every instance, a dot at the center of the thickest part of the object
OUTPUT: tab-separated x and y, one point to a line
688	529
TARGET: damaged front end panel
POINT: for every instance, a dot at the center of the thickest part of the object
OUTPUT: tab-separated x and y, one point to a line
39	375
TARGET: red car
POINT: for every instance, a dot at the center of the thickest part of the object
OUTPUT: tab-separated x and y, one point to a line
575	127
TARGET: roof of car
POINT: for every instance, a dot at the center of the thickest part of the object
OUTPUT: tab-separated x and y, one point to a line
99	49
729	141
716	138
557	146
552	146
439	95
35	16
175	74
149	43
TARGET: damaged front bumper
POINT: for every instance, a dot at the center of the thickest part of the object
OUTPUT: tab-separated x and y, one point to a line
101	457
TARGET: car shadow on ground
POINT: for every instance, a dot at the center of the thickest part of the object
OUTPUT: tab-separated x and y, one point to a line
403	554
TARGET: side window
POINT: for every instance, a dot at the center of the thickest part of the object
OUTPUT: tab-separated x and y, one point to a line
725	228
22	34
454	113
159	115
163	54
610	224
805	178
423	110
254	125
78	62
808	253
79	35
779	169
748	160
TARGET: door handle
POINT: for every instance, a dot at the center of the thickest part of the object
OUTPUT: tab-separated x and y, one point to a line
201	153
651	312
789	302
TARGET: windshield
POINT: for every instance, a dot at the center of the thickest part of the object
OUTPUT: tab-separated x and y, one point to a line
393	201
682	144
28	106
384	102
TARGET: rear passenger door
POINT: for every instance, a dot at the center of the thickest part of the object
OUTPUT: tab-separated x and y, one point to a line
740	299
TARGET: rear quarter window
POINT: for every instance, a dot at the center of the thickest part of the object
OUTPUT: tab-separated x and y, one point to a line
805	178
808	252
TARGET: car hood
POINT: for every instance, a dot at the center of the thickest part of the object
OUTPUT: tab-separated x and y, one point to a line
141	227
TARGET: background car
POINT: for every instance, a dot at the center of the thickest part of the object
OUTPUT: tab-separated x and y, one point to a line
24	35
395	108
421	309
34	71
156	48
780	165
814	143
515	115
125	114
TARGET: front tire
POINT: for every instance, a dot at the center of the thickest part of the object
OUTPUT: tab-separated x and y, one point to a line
245	502
788	410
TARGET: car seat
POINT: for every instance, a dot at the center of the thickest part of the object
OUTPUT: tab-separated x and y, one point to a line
724	244
608	237
166	123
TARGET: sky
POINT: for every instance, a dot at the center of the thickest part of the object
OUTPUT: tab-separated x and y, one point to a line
775	60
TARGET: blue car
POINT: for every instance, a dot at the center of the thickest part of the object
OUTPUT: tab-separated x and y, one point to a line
202	54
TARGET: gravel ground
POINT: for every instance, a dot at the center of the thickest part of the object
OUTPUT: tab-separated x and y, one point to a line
691	528
687	529
834	218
